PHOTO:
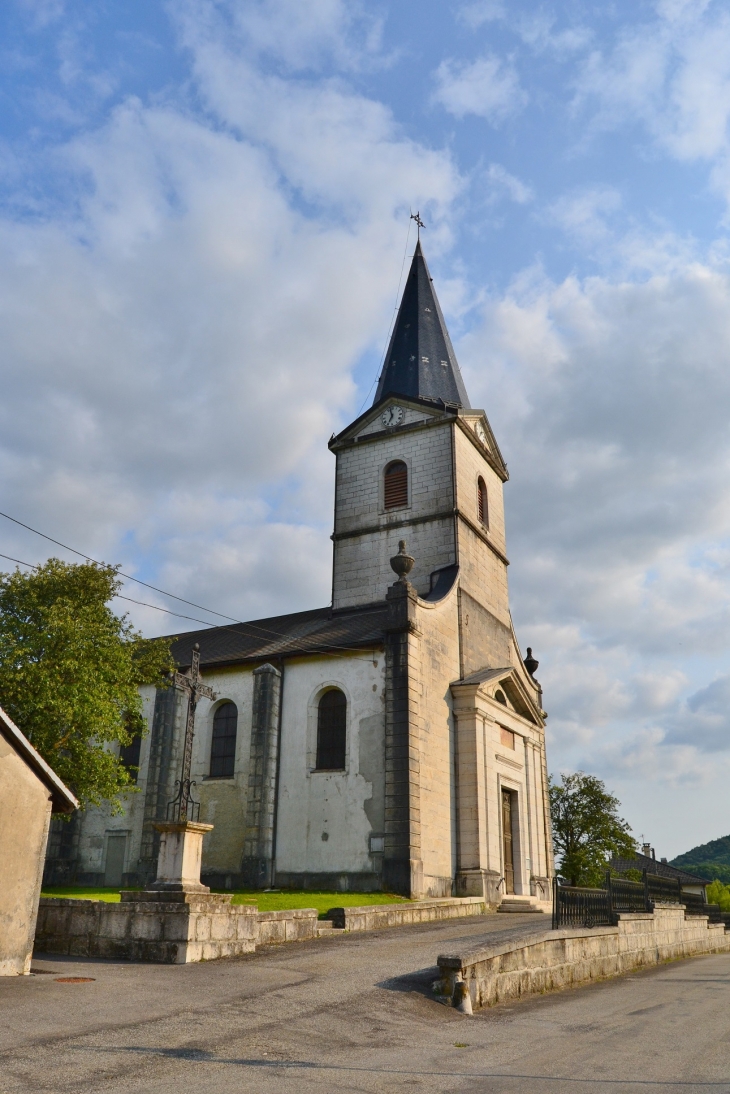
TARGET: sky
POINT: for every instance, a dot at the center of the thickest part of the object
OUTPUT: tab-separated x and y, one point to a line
204	217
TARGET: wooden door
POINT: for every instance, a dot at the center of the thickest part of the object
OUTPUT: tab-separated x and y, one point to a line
509	865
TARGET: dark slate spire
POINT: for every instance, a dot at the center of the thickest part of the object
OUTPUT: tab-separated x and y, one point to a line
420	359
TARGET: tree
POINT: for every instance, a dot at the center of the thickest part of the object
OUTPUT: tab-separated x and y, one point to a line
717	893
587	829
70	670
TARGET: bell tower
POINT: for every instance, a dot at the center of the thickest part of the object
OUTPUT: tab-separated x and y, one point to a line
423	466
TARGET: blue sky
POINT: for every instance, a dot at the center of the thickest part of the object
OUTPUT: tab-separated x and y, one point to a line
203	214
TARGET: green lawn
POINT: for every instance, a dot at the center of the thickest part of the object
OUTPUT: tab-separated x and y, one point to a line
267	902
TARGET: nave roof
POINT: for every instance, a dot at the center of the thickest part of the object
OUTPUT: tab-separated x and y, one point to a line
318	631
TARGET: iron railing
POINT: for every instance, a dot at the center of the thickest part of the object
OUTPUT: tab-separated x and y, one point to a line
581	907
578	907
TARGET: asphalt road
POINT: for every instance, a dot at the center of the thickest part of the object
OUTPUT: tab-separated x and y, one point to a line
355	1014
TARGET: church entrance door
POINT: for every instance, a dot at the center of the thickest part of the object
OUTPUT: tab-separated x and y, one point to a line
509	864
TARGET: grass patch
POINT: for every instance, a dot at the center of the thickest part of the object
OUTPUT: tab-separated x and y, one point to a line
82	892
275	901
323	900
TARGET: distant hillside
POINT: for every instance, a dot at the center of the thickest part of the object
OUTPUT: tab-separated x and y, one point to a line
709	859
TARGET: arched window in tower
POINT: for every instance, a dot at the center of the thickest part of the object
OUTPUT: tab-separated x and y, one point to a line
482	502
332	731
223	745
395	494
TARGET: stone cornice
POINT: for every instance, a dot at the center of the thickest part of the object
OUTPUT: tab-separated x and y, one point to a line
444	514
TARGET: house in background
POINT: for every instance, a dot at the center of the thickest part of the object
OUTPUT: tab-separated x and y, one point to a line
647	860
29	791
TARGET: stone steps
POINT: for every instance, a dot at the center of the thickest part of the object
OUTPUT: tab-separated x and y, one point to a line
327	929
522	904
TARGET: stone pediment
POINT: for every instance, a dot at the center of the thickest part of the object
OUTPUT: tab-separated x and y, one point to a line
508	681
391	414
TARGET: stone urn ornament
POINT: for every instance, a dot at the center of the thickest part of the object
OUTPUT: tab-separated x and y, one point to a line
402	563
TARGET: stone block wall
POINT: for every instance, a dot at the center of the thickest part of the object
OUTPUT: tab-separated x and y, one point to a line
552	960
292	925
438	665
150	929
374	917
362	570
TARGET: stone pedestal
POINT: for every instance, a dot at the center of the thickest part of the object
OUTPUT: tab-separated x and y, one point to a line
180	857
483	883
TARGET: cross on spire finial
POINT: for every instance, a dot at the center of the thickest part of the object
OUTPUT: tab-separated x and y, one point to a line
419	222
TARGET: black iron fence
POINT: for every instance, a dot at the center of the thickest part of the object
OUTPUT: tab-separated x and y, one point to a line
579	907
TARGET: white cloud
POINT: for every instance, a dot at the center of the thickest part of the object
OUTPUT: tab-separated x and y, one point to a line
503	183
480	12
673	76
298	36
488	87
179	348
537	30
584	212
609	399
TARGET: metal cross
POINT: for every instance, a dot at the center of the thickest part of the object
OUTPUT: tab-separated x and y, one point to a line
419	222
191	683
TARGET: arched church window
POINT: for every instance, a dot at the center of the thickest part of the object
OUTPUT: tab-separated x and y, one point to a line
331	731
129	756
396	485
223	745
482	502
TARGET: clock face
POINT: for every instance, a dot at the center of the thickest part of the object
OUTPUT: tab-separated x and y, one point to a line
392	416
481	433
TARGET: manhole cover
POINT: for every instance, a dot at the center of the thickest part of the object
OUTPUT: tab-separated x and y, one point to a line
75	979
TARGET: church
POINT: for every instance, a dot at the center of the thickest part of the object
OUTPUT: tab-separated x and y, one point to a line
393	740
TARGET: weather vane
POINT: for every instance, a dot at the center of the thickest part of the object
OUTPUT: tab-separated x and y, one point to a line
419	222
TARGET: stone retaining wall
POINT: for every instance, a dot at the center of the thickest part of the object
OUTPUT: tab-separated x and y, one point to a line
291	925
169	932
164	930
551	960
373	916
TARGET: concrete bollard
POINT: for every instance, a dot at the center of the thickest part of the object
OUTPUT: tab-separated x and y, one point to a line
461	999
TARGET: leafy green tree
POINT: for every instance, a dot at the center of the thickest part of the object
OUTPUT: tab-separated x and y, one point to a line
70	670
717	893
587	829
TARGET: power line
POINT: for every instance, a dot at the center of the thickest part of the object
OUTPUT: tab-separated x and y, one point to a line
252	627
127	577
118	596
178	615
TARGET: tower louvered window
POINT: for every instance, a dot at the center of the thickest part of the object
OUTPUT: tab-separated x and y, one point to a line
223	747
332	731
396	485
482	503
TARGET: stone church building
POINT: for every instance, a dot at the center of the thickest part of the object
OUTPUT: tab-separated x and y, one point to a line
393	739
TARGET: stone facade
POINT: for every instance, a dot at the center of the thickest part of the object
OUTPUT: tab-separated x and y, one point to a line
429	667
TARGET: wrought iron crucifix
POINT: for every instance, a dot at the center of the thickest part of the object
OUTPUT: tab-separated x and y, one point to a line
419	222
183	808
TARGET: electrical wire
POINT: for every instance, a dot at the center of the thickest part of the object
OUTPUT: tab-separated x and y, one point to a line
127	577
118	596
178	615
257	631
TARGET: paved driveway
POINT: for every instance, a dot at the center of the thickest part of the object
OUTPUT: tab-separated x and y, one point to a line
354	1014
